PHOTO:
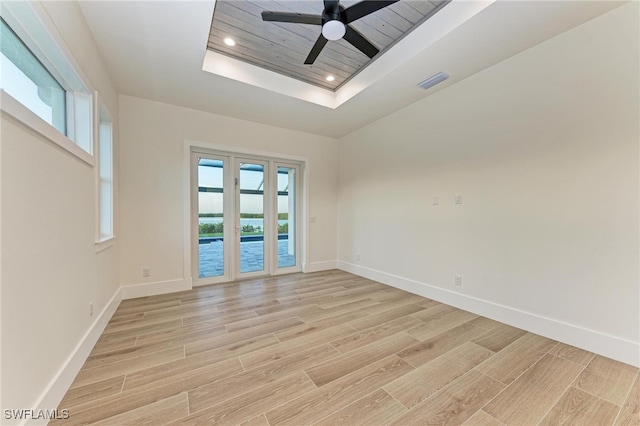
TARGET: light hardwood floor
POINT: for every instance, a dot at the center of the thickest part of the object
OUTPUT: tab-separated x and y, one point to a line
332	348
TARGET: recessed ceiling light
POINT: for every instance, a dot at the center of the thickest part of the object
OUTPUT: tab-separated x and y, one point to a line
229	41
330	78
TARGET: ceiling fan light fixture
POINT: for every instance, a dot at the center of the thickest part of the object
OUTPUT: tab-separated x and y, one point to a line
333	30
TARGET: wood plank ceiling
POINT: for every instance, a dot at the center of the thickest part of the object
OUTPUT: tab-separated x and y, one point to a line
283	47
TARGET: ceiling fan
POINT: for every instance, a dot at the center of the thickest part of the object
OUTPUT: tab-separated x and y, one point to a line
335	20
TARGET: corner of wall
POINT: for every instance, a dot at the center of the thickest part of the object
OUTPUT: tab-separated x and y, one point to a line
151	289
62	380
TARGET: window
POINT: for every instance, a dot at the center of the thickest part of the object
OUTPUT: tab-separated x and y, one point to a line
39	82
28	81
105	176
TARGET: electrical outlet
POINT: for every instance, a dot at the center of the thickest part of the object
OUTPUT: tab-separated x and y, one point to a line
90	309
458	199
358	257
146	272
458	280
435	200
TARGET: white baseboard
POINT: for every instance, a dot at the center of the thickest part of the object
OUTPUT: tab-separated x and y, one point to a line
603	344
321	266
151	289
59	385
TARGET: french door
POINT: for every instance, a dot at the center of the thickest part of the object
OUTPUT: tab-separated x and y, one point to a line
245	217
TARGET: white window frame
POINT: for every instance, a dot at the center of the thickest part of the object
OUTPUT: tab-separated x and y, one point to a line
33	26
104	160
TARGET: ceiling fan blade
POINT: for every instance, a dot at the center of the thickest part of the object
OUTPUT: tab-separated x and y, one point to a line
359	42
365	7
315	50
296	18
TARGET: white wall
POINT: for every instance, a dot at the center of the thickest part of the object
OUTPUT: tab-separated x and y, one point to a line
50	268
152	183
543	148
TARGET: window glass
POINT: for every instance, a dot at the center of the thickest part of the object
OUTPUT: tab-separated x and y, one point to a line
105	166
25	78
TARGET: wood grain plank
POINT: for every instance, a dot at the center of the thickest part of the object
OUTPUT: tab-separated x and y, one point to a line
213	317
280	350
455	403
117	319
571	353
512	361
119	355
260	420
579	408
157	413
630	412
434	312
244	303
481	418
537	389
373	334
340	366
430	349
607	379
440	324
128	400
244	334
316	326
386	316
377	408
253	403
183	366
140	330
139	326
499	337
103	346
310	303
485	323
230	387
209	300
338	394
421	383
138	301
281	314
80	394
402	298
127	366
337	310
183	335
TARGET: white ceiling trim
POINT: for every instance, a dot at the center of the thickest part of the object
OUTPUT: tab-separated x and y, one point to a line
442	23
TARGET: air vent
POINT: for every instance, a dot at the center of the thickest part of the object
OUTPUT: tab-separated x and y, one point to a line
433	80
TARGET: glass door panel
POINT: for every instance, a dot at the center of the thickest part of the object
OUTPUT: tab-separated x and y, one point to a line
211	253
250	224
286	216
244	217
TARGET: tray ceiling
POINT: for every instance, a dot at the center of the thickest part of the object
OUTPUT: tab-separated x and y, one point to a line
283	47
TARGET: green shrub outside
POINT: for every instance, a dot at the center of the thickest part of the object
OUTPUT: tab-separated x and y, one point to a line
218	228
